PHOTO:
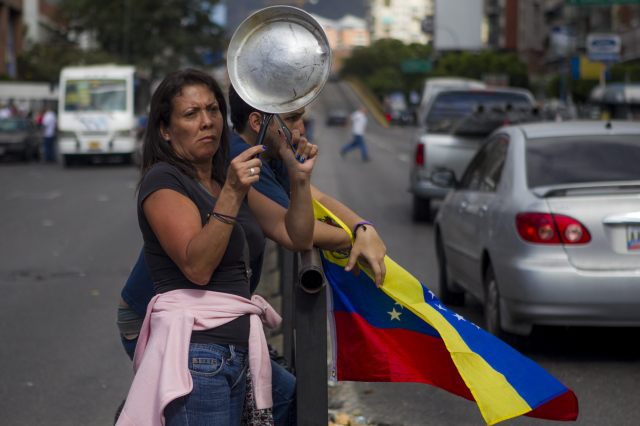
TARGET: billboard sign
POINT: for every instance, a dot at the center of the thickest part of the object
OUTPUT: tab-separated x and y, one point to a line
458	24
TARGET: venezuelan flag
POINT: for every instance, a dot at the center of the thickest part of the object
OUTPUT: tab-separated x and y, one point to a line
401	332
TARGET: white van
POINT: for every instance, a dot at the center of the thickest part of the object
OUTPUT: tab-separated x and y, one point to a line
98	112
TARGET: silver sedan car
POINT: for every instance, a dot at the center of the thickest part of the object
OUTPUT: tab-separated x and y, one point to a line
544	227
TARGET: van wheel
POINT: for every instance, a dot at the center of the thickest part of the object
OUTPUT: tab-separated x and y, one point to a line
448	297
421	209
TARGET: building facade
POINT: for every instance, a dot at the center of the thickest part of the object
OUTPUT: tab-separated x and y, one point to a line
10	36
399	19
344	35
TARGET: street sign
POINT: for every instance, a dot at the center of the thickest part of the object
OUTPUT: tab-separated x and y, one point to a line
416	66
603	47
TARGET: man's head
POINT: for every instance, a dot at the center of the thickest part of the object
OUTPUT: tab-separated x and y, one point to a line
247	120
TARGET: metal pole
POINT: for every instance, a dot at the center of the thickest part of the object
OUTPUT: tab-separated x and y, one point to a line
311	342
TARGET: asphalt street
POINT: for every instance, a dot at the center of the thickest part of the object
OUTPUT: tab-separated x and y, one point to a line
70	236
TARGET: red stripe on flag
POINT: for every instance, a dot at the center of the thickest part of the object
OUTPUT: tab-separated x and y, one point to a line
563	407
369	354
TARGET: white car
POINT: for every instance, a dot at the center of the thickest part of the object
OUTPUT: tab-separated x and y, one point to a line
544	227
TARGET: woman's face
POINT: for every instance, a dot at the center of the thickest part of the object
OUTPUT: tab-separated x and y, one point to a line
196	124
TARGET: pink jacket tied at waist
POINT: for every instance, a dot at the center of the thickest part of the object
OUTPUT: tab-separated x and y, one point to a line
161	359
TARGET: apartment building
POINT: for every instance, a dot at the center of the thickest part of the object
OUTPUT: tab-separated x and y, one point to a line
399	19
344	35
10	36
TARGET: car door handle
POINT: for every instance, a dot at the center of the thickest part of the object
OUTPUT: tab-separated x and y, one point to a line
463	206
483	209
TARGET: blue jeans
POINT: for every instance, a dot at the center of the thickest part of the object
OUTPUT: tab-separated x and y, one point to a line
219	383
49	149
357	142
283	389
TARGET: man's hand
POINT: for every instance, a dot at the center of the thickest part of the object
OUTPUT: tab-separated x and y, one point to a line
369	249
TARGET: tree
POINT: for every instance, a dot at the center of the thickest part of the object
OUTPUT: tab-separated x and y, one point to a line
157	37
478	65
43	62
379	66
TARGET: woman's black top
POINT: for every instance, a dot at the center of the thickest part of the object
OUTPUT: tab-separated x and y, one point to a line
229	277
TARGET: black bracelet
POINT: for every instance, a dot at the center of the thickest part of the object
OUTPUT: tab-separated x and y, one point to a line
229	220
362	224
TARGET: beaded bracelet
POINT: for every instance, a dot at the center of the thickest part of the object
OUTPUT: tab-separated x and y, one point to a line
361	224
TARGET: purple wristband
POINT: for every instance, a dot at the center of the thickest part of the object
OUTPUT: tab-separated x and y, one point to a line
361	224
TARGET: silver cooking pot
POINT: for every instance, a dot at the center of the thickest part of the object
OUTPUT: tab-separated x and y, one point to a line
278	61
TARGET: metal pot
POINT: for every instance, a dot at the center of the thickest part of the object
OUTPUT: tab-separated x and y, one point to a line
279	59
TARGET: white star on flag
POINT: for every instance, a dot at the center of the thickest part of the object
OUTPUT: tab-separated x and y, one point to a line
395	315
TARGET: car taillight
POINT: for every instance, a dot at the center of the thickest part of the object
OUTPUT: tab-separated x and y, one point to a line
545	228
419	155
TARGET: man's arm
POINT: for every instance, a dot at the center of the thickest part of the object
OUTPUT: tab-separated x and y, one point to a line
367	243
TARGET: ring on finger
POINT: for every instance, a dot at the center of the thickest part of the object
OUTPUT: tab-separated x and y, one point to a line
252	171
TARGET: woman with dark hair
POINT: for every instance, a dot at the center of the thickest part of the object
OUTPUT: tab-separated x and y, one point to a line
202	223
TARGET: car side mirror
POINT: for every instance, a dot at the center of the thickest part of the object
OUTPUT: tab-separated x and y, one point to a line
444	178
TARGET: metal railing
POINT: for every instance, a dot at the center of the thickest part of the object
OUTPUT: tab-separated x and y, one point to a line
304	312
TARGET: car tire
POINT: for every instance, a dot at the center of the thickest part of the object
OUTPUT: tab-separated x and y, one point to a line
421	211
492	317
447	296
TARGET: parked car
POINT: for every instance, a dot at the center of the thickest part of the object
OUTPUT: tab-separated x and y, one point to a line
456	122
337	117
19	137
616	101
544	227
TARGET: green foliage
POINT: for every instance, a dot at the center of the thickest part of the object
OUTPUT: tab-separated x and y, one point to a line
625	72
155	36
379	65
43	62
478	65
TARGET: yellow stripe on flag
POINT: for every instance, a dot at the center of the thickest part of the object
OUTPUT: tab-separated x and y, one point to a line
496	398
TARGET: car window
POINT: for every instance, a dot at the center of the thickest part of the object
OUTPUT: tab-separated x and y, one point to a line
450	108
485	170
494	163
557	161
11	125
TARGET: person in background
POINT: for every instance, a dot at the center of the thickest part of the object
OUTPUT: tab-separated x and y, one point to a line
201	220
5	112
49	123
358	125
